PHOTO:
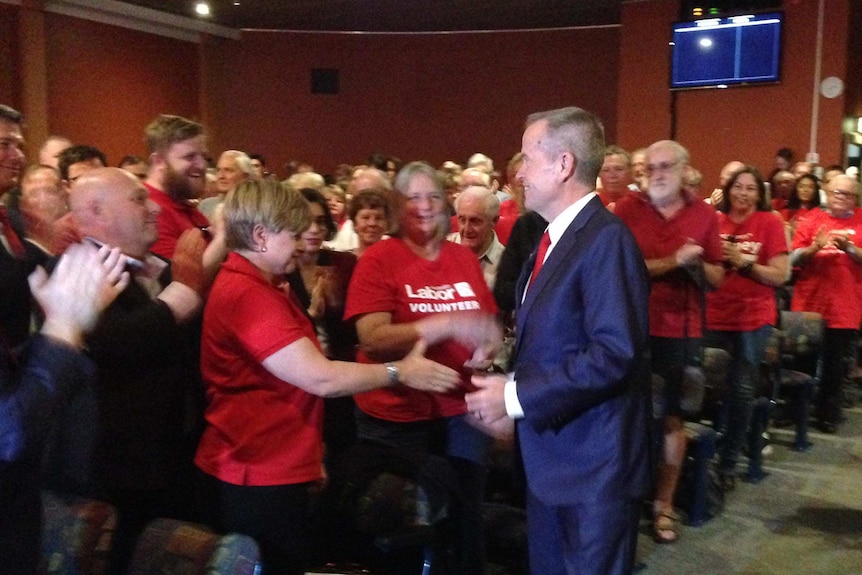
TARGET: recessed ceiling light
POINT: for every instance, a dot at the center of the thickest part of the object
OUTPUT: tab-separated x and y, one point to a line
236	3
202	9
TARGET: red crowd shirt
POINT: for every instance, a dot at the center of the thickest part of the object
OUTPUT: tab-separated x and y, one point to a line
794	216
175	218
674	302
509	214
389	277
741	303
260	430
830	283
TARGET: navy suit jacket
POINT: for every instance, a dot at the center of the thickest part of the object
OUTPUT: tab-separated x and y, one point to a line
582	366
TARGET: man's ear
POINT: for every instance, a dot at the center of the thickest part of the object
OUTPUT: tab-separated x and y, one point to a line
567	166
156	160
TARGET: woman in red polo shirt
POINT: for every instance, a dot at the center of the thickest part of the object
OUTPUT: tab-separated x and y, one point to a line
265	374
740	313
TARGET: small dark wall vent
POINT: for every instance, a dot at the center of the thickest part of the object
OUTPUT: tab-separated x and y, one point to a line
324	81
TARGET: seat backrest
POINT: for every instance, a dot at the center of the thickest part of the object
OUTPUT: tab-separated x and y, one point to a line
76	534
802	332
802	339
716	362
173	547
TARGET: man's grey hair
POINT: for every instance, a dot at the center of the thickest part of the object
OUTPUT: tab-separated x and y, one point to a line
492	202
576	131
678	150
243	161
482	162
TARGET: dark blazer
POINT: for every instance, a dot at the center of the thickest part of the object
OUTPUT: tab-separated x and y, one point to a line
15	299
338	423
129	430
148	371
33	388
581	365
523	240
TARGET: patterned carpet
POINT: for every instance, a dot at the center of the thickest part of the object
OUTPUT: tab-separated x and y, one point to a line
805	518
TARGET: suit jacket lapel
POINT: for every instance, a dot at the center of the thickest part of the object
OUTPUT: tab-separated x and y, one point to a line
561	255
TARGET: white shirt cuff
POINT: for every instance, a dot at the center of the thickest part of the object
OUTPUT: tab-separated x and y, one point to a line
510	396
183	301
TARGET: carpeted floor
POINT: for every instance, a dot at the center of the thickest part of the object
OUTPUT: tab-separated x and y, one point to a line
805	518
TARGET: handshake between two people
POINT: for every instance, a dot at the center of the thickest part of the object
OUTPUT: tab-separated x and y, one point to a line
483	334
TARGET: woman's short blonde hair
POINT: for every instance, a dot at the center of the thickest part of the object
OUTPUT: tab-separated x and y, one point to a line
273	205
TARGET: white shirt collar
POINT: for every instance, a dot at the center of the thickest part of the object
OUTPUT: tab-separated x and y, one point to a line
561	223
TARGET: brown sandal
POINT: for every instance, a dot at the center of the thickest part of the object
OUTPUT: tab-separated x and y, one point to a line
664	527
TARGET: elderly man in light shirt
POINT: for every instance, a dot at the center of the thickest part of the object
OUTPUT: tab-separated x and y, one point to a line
478	211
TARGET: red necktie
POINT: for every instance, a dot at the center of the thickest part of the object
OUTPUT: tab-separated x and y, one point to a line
544	244
15	245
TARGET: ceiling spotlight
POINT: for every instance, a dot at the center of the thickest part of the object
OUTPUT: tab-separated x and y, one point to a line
202	9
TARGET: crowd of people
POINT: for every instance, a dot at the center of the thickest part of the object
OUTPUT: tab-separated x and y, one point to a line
211	338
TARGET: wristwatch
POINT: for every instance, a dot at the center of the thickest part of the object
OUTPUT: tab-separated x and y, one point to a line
392	370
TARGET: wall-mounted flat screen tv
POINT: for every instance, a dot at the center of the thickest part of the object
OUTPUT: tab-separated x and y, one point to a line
721	52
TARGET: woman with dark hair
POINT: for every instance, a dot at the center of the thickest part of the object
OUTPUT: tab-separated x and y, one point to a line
740	313
804	198
320	281
264	375
420	286
370	213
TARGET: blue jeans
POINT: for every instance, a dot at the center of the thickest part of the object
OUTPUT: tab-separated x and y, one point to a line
746	350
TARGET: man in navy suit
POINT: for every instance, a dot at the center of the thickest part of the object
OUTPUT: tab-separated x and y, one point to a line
580	390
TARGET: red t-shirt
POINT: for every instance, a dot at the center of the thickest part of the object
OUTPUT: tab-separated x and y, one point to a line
674	302
260	430
174	219
741	303
830	283
509	214
389	277
794	216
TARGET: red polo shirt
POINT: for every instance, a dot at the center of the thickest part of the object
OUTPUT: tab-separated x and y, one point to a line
175	218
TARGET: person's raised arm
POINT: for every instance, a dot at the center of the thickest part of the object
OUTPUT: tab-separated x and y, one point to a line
184	295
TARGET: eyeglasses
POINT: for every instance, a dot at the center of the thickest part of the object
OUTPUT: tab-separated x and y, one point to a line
843	194
661	167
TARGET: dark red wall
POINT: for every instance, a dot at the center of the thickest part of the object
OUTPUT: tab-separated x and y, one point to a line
106	83
9	95
8	55
854	62
433	97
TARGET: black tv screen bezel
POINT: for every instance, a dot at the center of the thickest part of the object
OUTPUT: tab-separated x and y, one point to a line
713	85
